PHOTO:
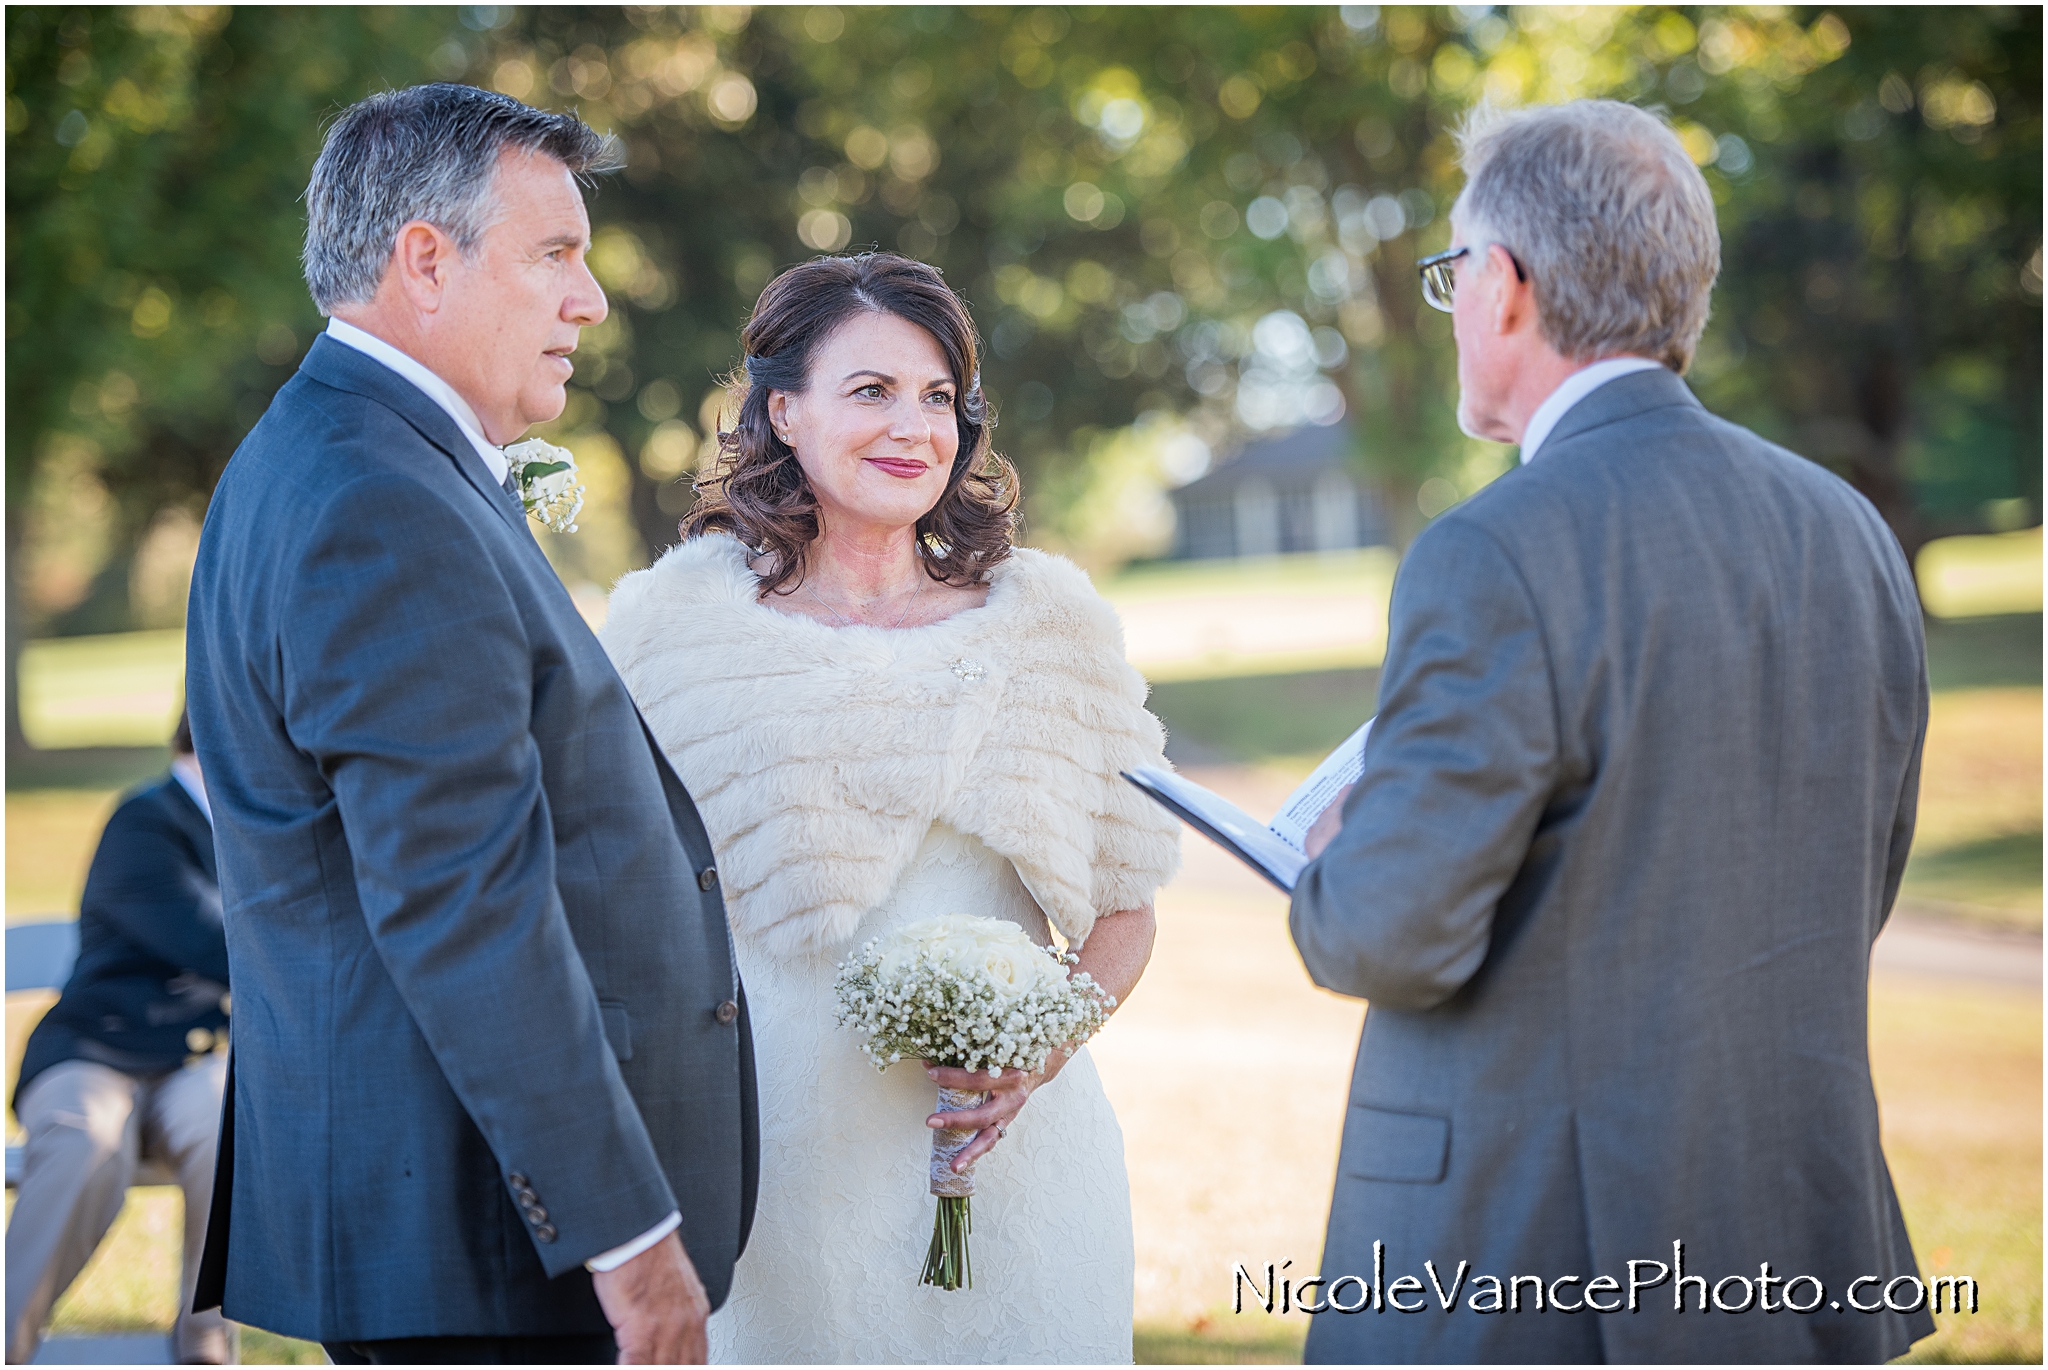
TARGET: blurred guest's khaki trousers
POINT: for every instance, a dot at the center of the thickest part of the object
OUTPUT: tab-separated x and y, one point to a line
87	1127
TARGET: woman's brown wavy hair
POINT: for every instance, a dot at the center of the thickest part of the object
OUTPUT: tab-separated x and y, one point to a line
756	491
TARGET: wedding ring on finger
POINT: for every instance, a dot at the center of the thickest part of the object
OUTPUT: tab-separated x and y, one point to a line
1001	1132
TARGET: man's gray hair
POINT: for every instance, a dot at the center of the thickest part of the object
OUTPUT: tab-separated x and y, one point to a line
428	153
1605	210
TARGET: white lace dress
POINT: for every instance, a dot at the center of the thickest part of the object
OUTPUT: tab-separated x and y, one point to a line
845	1214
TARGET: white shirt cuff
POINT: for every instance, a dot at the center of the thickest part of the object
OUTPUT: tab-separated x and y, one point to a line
619	1255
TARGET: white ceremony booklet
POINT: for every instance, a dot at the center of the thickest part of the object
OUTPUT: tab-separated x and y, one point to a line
1272	849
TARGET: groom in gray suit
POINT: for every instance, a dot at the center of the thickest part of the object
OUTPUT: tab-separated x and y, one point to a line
492	1093
1634	811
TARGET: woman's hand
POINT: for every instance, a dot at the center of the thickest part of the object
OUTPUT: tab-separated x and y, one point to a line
1114	956
1007	1092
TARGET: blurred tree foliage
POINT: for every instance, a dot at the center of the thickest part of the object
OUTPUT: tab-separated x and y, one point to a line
1212	212
1881	221
155	157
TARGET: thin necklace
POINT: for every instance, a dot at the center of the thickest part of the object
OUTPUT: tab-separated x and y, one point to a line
845	622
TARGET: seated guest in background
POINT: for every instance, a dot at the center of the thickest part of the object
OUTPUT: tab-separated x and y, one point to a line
126	1064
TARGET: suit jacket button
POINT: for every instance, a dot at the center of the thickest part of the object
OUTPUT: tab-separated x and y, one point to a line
544	1233
516	1180
537	1215
707	877
726	1012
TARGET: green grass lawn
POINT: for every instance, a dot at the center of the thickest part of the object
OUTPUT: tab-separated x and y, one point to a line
1958	1074
122	690
1255	718
1977	849
114	690
1995	881
131	1283
1265	719
1984	653
1977	853
1971	577
1220	1340
1306	573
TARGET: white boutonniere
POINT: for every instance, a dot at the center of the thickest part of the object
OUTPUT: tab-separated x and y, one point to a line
548	488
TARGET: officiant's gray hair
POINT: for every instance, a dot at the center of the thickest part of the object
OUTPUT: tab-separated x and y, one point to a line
1604	209
428	153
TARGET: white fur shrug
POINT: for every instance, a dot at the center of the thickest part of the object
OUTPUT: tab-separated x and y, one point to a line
820	757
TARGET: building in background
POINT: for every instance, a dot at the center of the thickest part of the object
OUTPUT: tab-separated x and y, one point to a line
1294	493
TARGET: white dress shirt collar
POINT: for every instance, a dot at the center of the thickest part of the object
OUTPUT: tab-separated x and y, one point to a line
435	389
1576	387
186	770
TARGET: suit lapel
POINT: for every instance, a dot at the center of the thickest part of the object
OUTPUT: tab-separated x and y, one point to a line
1621	398
344	368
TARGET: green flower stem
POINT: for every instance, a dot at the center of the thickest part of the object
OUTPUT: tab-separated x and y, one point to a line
946	1264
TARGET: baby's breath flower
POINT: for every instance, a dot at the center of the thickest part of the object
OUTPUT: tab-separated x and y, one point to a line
548	488
965	991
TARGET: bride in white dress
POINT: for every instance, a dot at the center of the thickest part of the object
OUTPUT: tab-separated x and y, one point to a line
884	713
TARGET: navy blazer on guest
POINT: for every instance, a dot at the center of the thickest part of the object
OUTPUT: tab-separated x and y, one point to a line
152	963
488	1020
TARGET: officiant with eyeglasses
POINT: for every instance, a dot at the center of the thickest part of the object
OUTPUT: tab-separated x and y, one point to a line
1634	808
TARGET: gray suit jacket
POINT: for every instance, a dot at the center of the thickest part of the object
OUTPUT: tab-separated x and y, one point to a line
1635	808
487	1019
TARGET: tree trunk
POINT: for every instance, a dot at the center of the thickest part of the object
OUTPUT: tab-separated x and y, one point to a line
658	528
17	740
1875	470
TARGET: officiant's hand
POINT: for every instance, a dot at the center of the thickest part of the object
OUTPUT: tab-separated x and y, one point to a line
656	1306
1326	825
1007	1093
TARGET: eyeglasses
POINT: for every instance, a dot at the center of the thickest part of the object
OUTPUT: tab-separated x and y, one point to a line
1440	280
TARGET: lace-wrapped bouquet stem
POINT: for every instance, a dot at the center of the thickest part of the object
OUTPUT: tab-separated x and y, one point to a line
976	994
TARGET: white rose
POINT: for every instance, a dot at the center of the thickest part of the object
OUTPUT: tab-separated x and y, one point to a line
537	449
989	951
928	931
1009	958
902	947
944	936
1006	968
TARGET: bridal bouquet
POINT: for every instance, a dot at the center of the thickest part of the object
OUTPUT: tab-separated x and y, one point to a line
548	488
973	993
